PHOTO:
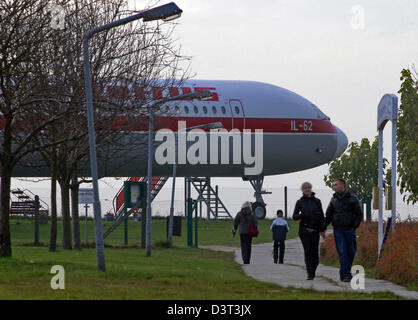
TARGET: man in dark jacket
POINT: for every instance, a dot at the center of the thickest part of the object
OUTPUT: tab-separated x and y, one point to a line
243	219
345	214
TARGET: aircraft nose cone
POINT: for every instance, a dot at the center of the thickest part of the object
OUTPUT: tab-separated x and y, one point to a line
342	143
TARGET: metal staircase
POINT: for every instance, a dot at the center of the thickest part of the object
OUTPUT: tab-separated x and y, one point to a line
211	198
24	204
118	201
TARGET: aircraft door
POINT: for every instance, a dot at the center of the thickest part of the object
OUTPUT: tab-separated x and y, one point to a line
238	114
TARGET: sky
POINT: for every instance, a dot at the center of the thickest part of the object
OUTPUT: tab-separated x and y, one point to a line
343	56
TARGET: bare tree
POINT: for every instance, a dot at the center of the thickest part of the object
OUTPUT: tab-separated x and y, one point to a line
24	26
126	63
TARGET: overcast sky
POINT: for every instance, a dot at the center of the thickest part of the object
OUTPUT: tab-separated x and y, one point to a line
341	55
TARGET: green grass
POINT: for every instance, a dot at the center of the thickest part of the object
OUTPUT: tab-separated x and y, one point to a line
178	273
209	232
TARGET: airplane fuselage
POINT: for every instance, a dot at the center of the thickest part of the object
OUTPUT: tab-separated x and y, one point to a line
295	134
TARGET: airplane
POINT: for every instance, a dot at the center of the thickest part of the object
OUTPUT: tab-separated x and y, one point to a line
296	135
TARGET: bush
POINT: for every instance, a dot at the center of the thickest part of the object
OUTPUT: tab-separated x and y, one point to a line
400	253
327	250
367	244
399	256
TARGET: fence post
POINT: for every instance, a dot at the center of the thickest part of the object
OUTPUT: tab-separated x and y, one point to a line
285	202
143	223
368	208
36	221
195	224
86	225
216	201
189	222
125	226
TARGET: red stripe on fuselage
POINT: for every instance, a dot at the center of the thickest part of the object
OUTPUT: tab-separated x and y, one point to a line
268	125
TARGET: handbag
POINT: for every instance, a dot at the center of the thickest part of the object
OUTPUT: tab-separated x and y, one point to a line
251	228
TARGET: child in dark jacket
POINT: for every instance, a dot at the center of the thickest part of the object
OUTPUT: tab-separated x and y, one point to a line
280	227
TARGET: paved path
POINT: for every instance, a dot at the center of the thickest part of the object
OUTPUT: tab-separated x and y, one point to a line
293	271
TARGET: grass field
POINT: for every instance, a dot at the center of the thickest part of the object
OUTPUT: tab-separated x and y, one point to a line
209	232
178	273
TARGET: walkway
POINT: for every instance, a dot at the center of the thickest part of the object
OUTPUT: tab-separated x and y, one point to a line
293	272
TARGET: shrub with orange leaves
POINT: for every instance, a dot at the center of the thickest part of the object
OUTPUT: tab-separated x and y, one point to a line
327	251
366	246
398	262
367	237
400	253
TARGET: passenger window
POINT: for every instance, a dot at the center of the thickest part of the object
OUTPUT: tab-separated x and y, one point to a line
236	110
205	110
223	110
186	109
177	109
196	110
214	109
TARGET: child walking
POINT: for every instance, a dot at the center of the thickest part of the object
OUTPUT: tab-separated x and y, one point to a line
280	227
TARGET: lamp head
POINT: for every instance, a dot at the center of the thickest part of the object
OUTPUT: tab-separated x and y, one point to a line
166	12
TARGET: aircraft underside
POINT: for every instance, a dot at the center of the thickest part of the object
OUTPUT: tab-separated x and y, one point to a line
280	153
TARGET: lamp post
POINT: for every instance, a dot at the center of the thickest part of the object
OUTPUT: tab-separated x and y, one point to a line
213	125
204	94
165	12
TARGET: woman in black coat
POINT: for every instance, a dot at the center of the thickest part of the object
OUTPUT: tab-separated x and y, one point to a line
308	210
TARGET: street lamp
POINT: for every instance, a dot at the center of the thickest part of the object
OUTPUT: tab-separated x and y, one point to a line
213	125
165	12
204	94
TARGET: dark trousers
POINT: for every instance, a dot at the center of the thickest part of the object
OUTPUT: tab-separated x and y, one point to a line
246	240
310	242
277	244
345	242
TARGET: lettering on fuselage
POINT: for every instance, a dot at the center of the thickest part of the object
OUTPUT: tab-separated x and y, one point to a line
155	93
301	125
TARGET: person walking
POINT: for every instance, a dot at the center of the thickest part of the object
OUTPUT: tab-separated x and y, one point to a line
345	214
243	219
280	227
308	210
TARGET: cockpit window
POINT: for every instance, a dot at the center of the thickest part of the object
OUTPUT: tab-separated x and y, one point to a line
319	114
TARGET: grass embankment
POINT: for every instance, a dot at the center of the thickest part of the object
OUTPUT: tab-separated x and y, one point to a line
178	273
